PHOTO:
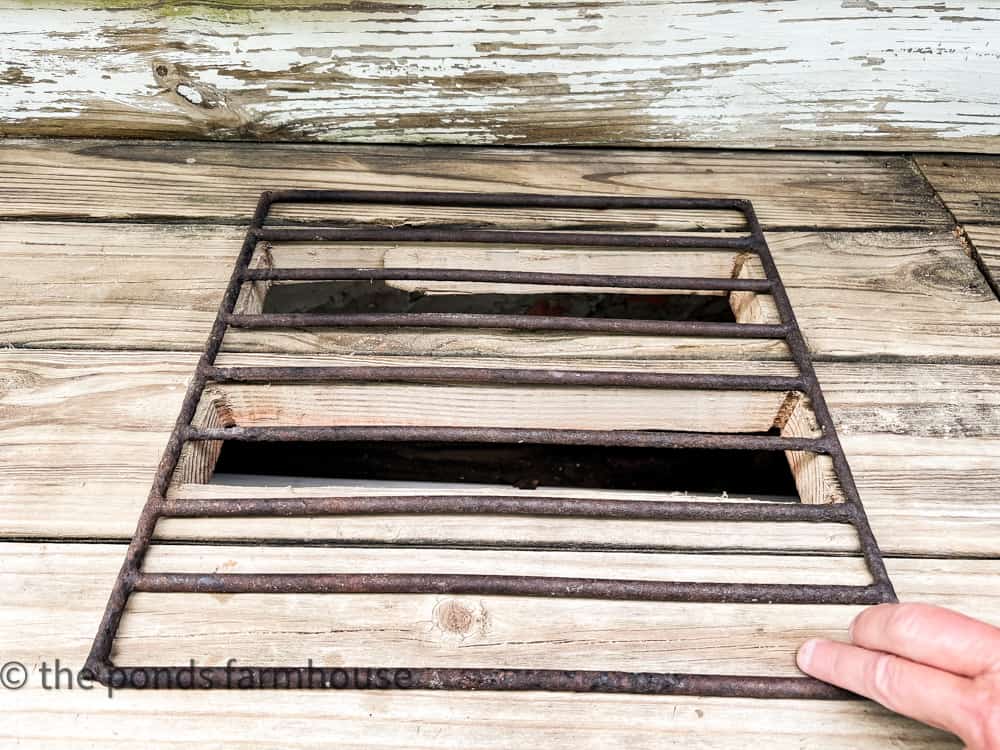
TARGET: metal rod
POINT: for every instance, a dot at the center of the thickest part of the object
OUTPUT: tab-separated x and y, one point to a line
504	376
800	353
503	236
100	652
696	283
611	438
517	322
451	678
662	510
497	585
504	200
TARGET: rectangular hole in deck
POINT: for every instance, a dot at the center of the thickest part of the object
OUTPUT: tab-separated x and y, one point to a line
356	297
524	466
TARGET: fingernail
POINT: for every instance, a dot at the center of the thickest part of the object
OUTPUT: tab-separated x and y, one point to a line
805	655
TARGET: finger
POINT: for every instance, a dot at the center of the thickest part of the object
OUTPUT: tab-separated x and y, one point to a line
930	635
938	698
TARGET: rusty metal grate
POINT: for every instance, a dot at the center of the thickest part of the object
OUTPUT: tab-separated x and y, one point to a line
133	579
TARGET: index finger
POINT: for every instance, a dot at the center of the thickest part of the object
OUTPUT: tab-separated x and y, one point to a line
930	635
932	696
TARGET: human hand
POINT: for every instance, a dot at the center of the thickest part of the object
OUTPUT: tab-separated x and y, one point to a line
925	662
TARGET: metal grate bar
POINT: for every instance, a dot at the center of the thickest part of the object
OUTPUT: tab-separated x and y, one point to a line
609	438
500	585
517	322
694	283
505	200
501	376
506	236
444	678
800	353
132	579
649	510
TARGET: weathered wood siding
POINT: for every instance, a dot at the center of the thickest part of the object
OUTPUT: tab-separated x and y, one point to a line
858	74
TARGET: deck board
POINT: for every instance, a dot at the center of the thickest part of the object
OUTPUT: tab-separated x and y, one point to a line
177	180
57	591
136	286
985	239
969	185
117	252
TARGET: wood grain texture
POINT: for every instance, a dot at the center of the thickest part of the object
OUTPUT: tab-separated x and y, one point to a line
968	185
913	433
56	592
902	295
985	240
498	406
823	74
82	428
39	720
87	179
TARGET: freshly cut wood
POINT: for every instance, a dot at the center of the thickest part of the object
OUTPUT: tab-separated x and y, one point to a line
854	294
555	407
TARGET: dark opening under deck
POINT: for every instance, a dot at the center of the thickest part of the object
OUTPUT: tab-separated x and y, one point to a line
521	465
353	297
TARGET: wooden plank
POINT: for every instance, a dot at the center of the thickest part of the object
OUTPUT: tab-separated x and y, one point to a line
922	439
880	295
57	592
968	185
370	719
466	631
986	241
891	75
221	182
498	406
899	294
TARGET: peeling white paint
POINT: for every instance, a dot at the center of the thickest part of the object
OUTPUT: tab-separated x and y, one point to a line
758	74
191	94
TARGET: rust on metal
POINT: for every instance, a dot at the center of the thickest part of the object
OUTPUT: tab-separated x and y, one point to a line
132	579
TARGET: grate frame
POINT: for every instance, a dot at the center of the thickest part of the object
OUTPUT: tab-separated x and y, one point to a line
132	579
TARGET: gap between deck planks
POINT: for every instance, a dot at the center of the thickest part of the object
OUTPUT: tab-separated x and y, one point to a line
970	188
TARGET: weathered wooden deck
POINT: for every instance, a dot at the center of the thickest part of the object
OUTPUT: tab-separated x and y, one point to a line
115	255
